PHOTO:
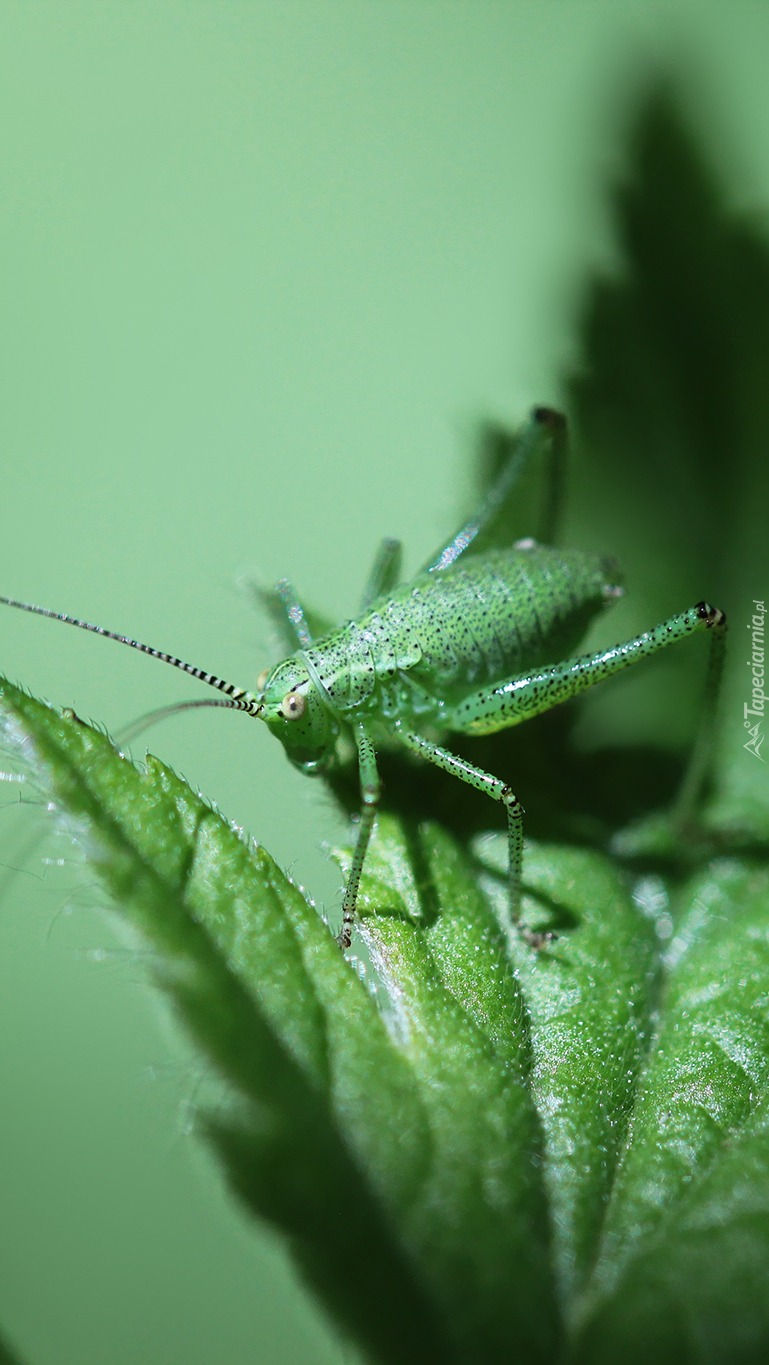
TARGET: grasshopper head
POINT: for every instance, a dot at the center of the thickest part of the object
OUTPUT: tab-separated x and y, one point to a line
292	707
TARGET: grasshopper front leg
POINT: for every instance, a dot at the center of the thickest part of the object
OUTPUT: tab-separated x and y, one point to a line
370	789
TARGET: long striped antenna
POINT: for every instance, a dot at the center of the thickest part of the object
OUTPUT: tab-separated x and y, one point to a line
239	699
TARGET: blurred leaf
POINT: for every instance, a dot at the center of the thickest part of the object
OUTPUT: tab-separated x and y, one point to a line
671	399
671	404
7	1356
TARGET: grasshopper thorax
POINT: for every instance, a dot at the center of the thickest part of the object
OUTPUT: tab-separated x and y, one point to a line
291	705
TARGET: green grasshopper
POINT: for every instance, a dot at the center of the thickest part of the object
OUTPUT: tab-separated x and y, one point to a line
476	642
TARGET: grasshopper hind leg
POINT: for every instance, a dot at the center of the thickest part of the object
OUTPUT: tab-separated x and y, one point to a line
545	432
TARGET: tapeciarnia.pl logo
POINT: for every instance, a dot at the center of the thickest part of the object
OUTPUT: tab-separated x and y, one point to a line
758	698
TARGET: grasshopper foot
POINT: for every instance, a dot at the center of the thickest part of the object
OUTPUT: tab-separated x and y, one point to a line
536	938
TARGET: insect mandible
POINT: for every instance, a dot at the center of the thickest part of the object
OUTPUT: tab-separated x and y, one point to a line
475	643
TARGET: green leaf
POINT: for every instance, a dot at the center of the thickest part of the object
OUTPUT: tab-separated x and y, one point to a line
588	997
458	1016
424	1232
685	1248
325	1115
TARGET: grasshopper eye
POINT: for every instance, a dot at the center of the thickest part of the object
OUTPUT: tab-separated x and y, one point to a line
262	679
292	706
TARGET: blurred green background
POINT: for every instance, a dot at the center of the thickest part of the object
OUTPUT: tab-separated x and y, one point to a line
263	267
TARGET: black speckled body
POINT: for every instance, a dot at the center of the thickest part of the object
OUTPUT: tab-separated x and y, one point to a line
422	649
